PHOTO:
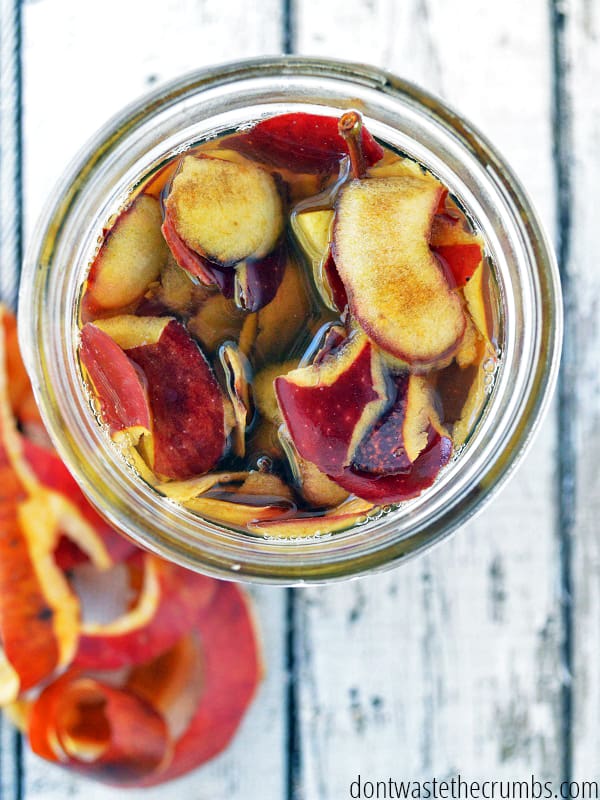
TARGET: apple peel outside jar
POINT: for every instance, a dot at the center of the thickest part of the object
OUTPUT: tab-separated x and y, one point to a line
198	106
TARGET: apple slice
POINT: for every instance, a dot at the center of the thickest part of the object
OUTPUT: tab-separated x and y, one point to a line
403	486
284	319
117	382
217	320
472	348
313	228
130	330
263	389
338	519
314	486
396	289
194	263
238	379
263	484
176	292
257	281
242	511
301	142
404	451
130	258
102	732
327	408
457	246
166	609
186	490
223	211
479	304
186	402
471	408
399	436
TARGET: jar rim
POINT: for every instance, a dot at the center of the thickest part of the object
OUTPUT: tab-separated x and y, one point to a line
48	338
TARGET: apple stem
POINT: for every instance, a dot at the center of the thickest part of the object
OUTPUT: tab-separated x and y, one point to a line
350	128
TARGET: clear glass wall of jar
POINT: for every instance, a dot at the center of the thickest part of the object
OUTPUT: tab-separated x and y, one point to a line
198	106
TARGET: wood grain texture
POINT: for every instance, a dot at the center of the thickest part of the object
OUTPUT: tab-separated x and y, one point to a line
9	761
452	663
582	63
82	67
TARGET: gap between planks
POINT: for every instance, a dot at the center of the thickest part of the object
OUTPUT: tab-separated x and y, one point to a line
11	254
566	477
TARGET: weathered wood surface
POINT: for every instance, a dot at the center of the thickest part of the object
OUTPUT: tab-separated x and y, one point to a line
580	56
456	662
451	663
81	68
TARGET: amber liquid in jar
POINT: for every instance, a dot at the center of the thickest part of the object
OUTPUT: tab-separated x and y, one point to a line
234	351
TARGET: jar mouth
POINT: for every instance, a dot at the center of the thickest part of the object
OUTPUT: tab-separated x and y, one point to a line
160	125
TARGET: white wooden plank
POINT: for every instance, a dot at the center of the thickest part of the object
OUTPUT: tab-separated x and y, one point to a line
452	662
583	52
83	62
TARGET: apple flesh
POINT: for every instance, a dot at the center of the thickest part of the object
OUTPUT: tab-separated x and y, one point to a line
477	295
223	211
311	483
301	142
243	511
337	519
263	389
396	289
186	403
174	293
328	408
130	258
313	230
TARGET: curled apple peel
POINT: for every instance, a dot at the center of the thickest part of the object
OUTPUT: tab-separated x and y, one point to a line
185	651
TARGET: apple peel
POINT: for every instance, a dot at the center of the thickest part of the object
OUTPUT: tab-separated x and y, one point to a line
238	377
168	604
231	670
186	402
100	731
328	408
301	142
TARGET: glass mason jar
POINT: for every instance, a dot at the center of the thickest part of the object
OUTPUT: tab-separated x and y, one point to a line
220	99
